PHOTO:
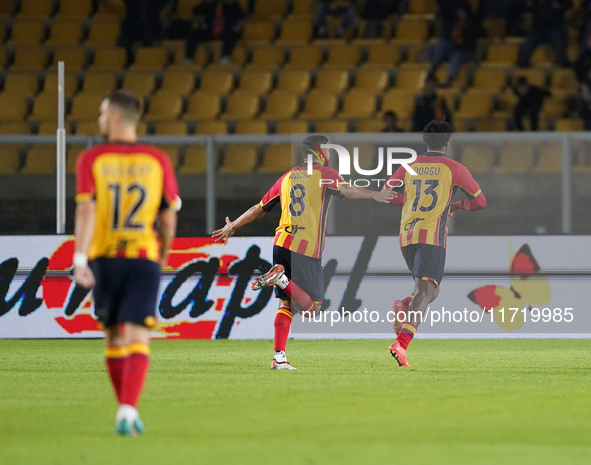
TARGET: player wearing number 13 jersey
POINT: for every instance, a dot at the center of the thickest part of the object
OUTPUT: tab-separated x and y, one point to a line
299	239
427	203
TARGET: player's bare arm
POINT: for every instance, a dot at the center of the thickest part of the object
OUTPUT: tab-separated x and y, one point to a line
252	214
84	229
168	222
359	193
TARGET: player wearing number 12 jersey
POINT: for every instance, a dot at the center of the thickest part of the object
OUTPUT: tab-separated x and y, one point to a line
122	189
299	239
427	203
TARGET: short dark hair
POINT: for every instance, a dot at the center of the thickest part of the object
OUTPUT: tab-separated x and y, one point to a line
391	114
128	102
314	140
437	134
521	81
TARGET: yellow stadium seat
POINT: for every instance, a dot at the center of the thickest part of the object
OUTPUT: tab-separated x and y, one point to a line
2	58
103	33
304	58
359	103
423	7
239	159
14	108
411	30
47	128
491	125
178	82
9	159
24	85
332	80
293	80
565	78
269	9
516	158
41	159
534	76
400	101
459	81
45	107
502	54
550	159
176	128
257	82
478	158
569	124
372	80
11	127
184	8
543	56
319	104
203	106
488	78
212	127
303	9
413	54
495	28
383	56
26	33
291	126
150	59
164	107
343	56
199	60
241	105
64	33
251	127
331	126
6	10
74	58
411	79
87	127
258	32
109	59
35	9
70	84
295	32
217	82
101	83
140	83
276	159
73	152
580	166
29	59
370	125
475	103
173	154
267	57
110	10
85	106
195	160
362	29
553	108
74	9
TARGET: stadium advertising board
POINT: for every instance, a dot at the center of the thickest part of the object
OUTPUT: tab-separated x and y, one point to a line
497	286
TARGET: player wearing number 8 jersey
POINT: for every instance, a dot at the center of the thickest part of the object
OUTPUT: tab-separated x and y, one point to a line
426	198
122	189
299	239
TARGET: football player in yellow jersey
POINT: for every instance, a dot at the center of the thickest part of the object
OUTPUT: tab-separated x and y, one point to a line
122	188
427	203
299	239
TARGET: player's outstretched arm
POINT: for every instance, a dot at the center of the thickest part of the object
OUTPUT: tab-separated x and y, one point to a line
168	222
252	214
354	192
83	231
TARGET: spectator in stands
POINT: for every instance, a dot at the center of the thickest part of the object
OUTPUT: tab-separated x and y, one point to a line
583	63
585	31
391	122
141	22
458	42
375	12
530	102
346	9
586	101
429	106
219	20
548	26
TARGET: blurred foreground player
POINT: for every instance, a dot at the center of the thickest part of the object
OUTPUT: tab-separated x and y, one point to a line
427	203
122	189
299	238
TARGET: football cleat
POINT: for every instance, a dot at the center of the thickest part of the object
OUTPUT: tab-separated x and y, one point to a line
399	354
275	365
397	307
269	278
124	427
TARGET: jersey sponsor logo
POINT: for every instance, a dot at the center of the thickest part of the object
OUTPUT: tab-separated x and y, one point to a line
410	226
293	229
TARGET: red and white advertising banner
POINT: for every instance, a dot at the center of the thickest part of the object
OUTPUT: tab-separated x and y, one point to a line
495	286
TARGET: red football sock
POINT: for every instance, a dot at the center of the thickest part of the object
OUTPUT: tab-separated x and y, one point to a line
408	300
282	325
299	296
134	373
115	357
406	334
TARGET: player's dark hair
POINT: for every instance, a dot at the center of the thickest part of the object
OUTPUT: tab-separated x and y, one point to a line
310	142
521	81
437	134
129	104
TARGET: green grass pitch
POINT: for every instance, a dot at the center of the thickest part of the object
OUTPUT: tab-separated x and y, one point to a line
217	402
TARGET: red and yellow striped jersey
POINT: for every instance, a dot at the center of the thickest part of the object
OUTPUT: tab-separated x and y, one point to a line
130	184
305	200
428	196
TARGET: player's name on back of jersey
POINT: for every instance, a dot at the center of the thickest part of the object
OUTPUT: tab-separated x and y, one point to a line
132	169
